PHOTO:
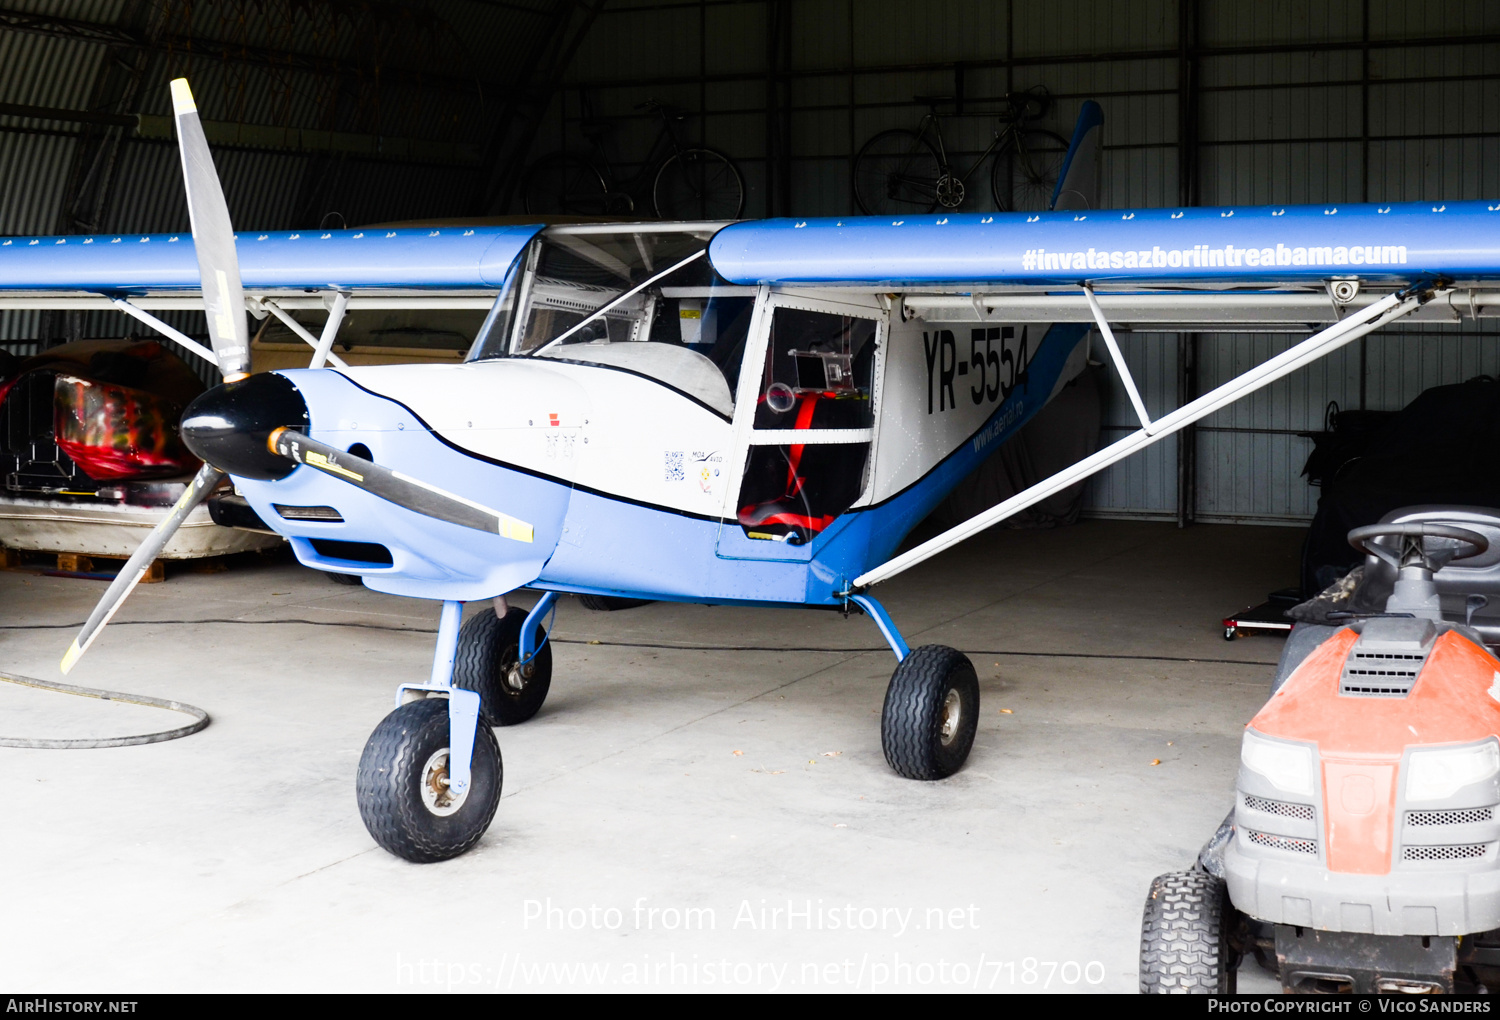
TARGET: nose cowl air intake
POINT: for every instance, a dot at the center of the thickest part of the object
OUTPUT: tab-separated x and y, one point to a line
229	425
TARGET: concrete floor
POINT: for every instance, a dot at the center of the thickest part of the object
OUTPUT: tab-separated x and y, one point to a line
674	818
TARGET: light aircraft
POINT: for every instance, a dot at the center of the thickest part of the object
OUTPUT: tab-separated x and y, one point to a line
753	413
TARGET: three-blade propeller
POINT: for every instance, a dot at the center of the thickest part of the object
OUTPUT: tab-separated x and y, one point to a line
227	426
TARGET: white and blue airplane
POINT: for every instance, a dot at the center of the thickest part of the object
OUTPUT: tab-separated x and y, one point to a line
751	413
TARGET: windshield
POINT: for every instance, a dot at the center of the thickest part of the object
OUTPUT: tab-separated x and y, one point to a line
641	298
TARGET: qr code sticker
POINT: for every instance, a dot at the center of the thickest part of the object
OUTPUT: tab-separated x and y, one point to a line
675	472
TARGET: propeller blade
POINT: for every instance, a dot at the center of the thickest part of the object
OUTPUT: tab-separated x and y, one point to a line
213	239
140	561
403	490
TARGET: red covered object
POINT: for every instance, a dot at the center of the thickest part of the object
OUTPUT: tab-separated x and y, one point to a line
116	432
116	404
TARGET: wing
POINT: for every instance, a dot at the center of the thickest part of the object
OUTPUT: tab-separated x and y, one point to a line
1207	268
1337	272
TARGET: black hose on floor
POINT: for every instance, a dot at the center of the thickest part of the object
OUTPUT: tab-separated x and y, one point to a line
200	717
641	644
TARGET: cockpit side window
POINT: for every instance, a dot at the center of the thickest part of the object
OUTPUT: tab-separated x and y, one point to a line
817	376
818	366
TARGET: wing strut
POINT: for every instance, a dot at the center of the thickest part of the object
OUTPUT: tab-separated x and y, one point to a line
1344	331
312	341
176	336
1119	360
323	352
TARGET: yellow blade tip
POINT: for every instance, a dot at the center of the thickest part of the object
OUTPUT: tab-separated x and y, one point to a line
74	654
516	530
182	97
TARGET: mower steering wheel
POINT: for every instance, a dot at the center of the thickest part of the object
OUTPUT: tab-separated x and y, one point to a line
1361	539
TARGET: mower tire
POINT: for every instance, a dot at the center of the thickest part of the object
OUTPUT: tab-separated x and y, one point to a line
1185	936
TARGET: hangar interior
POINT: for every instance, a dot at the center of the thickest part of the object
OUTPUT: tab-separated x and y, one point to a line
699	769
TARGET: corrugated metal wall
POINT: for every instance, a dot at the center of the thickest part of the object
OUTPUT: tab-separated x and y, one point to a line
1207	102
431	70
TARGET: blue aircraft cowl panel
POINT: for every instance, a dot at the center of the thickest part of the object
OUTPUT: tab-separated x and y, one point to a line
430	558
1259	244
449	257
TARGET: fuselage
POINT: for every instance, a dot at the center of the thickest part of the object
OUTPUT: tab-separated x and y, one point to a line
629	483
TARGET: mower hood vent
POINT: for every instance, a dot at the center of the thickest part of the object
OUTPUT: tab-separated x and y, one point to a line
1459	852
1292	844
1385	661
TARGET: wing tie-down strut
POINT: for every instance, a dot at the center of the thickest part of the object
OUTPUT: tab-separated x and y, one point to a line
1382	312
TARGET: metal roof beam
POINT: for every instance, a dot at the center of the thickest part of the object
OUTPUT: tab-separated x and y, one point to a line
230	52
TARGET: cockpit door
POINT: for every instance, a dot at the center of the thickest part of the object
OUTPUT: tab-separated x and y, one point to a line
805	423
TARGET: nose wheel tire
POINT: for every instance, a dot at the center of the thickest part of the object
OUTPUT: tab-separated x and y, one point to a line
487	664
931	713
402	785
1185	936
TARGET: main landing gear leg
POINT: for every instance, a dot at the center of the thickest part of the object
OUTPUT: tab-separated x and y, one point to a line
931	705
429	779
504	657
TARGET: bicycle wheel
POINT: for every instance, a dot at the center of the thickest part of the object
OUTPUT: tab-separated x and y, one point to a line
896	172
698	184
1024	175
564	182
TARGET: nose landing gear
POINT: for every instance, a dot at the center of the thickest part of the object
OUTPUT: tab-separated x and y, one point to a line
405	790
430	776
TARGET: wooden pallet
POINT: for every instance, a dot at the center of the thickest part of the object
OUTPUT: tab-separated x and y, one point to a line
78	563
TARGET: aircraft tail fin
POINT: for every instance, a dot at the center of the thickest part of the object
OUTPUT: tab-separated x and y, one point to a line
1078	181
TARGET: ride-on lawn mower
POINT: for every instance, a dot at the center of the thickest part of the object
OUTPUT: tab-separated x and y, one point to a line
1361	853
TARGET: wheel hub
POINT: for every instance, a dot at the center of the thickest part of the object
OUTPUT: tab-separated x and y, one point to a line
515	675
953	709
436	796
950	191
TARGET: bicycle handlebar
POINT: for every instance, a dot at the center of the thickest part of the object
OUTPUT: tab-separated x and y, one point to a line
1032	104
657	106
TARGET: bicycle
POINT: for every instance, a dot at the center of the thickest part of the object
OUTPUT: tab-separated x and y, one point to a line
685	183
901	171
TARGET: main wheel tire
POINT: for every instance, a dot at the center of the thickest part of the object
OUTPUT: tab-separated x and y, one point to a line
401	799
897	172
1184	936
347	579
488	650
698	184
1024	176
609	603
564	182
931	713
